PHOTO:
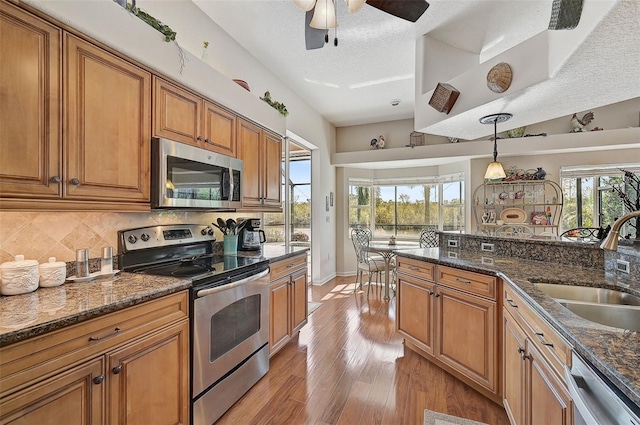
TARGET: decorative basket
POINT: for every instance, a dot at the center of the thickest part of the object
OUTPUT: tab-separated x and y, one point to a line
444	97
416	138
499	78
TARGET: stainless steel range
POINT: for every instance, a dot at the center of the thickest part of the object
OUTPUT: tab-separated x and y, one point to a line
229	309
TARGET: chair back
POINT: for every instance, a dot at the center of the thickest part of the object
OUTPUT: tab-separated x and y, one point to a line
360	237
428	237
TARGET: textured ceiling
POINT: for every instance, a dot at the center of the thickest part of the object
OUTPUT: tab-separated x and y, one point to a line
374	63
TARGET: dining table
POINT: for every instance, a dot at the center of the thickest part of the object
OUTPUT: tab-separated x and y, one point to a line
387	251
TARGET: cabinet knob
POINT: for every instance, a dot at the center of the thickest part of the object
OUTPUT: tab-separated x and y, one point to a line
199	138
207	140
116	370
98	379
431	292
55	179
74	181
437	295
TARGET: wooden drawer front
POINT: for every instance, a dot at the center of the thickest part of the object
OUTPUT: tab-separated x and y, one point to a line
474	283
287	266
420	269
36	358
553	346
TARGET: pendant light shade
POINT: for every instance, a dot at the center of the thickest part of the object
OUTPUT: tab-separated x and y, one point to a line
304	5
324	15
354	5
495	170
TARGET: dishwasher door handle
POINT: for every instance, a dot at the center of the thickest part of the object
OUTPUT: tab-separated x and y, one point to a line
576	383
204	292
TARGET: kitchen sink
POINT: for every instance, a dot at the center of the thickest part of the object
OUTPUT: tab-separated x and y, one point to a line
617	316
588	294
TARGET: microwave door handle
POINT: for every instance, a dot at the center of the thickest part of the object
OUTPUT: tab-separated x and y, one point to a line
263	237
230	173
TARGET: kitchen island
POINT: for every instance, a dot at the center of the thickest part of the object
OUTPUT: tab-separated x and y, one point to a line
614	352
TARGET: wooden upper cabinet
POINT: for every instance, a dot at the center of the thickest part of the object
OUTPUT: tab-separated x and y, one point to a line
177	113
30	147
188	118
107	123
219	130
261	153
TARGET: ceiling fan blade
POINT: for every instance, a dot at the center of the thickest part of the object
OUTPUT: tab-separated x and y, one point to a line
410	10
313	38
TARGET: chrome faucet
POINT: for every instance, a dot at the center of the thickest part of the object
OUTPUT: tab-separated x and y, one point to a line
611	241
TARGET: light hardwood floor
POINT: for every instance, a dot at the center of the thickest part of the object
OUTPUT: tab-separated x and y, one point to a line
348	366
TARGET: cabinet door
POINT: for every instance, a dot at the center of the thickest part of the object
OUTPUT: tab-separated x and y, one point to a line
272	171
548	400
514	369
415	311
72	397
279	310
176	113
30	149
249	143
219	130
299	300
107	117
466	335
149	379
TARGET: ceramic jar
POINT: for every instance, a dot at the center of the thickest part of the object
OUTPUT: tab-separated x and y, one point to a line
52	273
19	276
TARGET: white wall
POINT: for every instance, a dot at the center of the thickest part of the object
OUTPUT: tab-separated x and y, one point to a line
106	22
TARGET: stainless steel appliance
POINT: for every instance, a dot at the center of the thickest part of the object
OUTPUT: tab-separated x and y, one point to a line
184	176
251	237
595	401
229	309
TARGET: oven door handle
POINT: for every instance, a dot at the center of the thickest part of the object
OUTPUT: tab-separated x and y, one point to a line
204	292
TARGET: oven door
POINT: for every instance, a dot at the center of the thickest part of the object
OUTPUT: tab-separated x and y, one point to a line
231	322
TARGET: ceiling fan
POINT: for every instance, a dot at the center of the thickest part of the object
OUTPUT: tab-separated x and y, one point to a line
321	15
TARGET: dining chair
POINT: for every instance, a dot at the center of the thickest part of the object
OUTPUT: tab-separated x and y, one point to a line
428	237
360	237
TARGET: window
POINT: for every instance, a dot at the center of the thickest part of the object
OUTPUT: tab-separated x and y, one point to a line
590	199
403	207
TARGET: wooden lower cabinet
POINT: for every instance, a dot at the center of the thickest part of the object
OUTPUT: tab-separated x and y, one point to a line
134	370
288	301
534	391
71	397
458	329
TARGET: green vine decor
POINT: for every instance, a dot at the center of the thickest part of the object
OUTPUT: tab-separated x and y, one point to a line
280	107
169	34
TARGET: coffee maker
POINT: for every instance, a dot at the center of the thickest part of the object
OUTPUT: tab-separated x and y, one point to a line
250	237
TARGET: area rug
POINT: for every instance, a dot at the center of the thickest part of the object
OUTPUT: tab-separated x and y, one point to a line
435	418
313	306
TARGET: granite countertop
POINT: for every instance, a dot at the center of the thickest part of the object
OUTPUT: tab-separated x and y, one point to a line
614	352
48	309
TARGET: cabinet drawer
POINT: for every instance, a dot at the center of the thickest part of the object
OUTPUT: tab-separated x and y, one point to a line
420	269
474	283
37	358
287	266
553	346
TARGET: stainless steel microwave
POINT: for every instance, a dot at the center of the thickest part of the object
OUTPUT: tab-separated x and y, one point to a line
184	176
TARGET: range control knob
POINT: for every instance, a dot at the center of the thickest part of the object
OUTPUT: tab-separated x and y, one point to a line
203	231
210	232
144	237
132	239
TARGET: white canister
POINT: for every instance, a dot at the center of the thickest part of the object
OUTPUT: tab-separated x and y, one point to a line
19	276
52	273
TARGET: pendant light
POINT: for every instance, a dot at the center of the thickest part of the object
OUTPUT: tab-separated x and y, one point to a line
495	170
324	15
304	5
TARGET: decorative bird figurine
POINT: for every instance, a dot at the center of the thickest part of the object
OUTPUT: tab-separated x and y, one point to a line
580	124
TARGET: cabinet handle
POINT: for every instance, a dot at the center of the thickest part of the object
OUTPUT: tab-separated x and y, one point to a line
415	269
520	350
290	265
116	370
540	336
510	302
55	179
98	338
74	181
199	138
98	379
465	282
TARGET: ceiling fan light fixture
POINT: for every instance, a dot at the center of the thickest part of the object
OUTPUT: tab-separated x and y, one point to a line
324	15
304	5
354	5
